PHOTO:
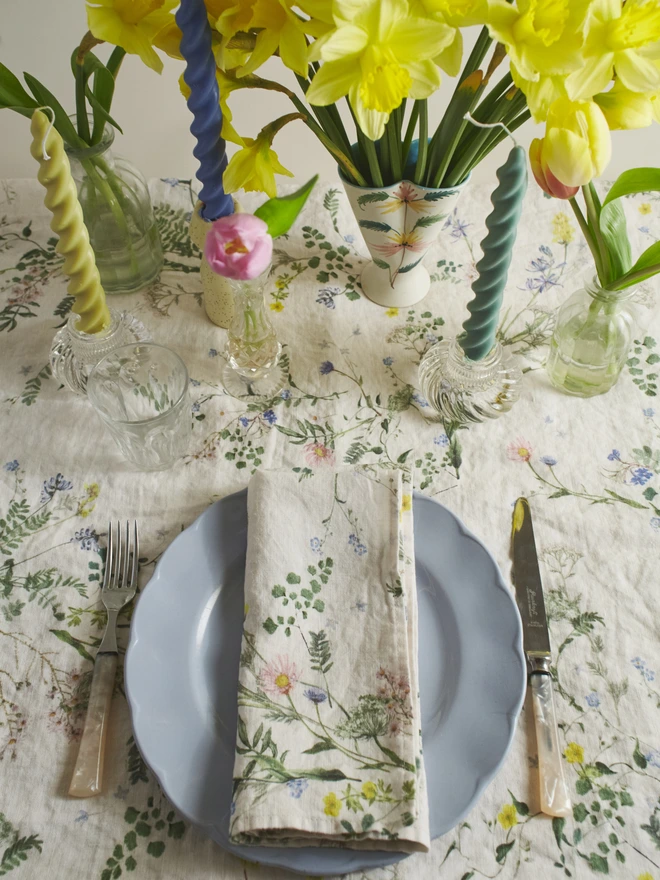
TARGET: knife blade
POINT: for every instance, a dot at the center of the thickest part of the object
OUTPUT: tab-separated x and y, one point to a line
555	800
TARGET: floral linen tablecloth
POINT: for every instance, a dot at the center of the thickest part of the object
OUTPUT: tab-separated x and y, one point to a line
591	469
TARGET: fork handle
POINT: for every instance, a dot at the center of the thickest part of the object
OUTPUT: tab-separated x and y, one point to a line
88	773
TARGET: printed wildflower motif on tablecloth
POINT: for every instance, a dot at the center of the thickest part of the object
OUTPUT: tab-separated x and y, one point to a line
332	804
519	450
549	460
53	485
11	466
641	665
592	700
279	677
326	367
563	231
87	539
315	695
574	753
508	816
296	787
357	545
317	454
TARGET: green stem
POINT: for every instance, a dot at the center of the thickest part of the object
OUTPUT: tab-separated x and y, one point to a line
593	216
81	105
631	277
385	162
586	231
372	159
327	120
420	167
394	144
410	133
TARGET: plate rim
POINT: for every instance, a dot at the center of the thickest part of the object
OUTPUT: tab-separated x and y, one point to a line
482	780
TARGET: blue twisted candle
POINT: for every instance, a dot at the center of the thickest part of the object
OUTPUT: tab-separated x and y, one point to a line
204	104
481	327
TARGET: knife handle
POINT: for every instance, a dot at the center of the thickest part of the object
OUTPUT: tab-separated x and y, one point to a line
87	777
555	800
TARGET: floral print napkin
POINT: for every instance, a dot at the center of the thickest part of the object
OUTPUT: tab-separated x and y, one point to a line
328	745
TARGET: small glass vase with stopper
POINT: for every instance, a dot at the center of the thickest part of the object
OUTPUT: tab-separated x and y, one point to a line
252	349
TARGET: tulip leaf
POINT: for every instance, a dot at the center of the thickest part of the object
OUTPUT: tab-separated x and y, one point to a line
647	265
62	122
12	94
281	212
614	232
637	180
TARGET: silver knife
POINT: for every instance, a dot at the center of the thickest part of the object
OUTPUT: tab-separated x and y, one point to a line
555	800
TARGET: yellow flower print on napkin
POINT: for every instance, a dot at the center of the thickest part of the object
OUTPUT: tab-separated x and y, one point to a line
406	503
369	790
562	228
87	504
392	313
332	804
277	306
508	816
574	753
645	208
645	876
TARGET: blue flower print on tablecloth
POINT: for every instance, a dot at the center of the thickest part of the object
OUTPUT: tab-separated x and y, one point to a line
53	485
87	539
297	787
441	440
614	455
549	460
592	700
11	466
641	476
269	416
326	367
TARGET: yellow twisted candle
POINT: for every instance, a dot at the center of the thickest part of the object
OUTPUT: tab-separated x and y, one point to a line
62	200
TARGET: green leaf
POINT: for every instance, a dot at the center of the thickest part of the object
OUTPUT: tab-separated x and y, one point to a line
277	592
428	220
598	863
636	180
13	95
257	736
638	757
627	501
321	746
324	775
130	840
62	122
580	812
281	213
558	824
366	199
521	808
347	826
156	848
130	864
614	232
647	264
626	799
143	829
381	264
367	821
438	194
319	606
118	851
604	769
65	636
410	266
292	578
269	625
131	815
582	786
502	851
176	830
242	733
375	226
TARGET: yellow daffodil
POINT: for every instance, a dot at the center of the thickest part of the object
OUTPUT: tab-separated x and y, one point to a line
508	816
253	168
377	54
625	109
455	14
577	144
225	87
131	24
621	39
279	28
230	17
540	36
574	753
168	40
540	93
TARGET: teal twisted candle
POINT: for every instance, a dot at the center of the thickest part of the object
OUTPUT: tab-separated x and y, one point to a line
204	104
480	328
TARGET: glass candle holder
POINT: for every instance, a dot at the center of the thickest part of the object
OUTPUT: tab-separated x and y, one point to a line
462	390
140	392
74	354
252	350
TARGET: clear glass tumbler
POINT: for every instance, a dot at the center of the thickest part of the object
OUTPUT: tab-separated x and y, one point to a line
140	391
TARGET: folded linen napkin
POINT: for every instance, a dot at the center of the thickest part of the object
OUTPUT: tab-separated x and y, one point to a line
329	747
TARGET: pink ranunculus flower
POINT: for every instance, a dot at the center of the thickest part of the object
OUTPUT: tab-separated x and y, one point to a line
238	246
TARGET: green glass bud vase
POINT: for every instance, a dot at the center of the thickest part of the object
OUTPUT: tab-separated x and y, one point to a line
591	340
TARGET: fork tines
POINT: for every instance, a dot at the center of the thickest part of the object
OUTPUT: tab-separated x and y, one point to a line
121	564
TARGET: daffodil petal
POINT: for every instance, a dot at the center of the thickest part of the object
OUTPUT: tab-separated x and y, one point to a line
637	73
425	79
450	58
265	46
333	80
372	122
345	41
390	13
591	78
293	48
418	39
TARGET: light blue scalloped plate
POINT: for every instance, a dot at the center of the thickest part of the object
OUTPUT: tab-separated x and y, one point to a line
182	669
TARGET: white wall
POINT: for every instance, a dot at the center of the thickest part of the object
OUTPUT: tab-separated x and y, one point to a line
39	36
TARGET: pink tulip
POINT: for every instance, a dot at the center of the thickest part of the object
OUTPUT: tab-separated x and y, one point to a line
544	177
238	246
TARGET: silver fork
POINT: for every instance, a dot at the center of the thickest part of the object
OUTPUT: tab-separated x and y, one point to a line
119	586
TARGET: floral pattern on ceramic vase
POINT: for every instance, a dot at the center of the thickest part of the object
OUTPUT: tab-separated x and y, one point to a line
399	224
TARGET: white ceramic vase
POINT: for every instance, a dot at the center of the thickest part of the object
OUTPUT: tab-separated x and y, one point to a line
399	223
